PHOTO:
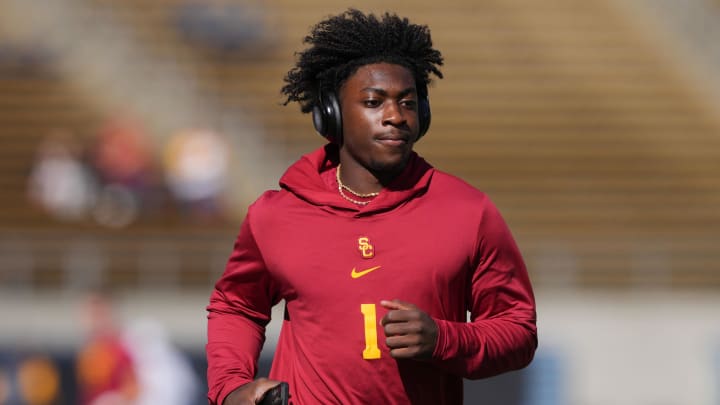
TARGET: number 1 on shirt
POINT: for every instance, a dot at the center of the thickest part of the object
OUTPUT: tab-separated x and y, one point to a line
371	346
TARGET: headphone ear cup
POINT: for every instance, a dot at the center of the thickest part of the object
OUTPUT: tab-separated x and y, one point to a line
318	121
424	117
327	118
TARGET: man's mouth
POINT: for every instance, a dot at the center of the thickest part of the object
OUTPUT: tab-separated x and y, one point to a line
393	139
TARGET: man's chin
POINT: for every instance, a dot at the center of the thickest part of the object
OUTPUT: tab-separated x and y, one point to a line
388	168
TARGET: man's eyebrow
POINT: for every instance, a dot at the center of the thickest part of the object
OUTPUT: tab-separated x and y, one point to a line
384	92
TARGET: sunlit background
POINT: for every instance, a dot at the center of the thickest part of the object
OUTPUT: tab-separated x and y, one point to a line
135	133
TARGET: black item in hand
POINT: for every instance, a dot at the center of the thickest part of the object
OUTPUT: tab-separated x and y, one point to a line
277	395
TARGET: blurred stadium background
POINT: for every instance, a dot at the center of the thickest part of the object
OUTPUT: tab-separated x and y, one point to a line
135	133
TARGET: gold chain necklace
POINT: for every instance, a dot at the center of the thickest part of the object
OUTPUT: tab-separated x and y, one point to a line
342	186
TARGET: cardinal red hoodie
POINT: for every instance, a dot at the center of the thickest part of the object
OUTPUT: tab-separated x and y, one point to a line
429	239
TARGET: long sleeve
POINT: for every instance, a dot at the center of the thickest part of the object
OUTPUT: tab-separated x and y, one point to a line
501	335
238	312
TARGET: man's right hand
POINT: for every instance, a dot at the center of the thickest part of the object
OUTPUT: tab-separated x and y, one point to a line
251	393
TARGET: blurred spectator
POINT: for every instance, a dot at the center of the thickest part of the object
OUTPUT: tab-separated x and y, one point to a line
122	153
59	182
222	25
165	375
123	160
29	379
38	380
105	370
196	167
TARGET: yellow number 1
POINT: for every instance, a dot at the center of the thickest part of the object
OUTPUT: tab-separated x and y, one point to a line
371	346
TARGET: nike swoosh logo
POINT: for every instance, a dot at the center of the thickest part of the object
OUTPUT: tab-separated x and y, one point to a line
358	274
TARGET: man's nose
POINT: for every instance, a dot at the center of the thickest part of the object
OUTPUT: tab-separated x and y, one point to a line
393	114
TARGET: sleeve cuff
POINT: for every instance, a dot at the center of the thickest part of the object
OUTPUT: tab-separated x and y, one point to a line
443	340
229	386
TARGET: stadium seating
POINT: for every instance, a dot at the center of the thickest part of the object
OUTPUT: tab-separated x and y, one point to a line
600	154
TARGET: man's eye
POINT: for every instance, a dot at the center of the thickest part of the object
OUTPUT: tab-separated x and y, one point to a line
409	103
372	103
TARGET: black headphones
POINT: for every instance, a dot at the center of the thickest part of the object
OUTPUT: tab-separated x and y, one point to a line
327	118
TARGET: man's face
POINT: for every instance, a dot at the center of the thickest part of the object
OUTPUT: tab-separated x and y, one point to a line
380	119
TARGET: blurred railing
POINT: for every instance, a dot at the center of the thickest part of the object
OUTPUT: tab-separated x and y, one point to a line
150	259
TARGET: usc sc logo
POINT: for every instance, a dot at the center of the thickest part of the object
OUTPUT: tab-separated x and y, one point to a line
366	248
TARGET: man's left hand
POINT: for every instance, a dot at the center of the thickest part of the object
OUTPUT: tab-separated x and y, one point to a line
411	333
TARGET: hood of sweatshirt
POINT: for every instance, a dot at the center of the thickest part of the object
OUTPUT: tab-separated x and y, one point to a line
312	178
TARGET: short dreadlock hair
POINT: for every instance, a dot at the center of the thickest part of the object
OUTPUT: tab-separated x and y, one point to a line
341	44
